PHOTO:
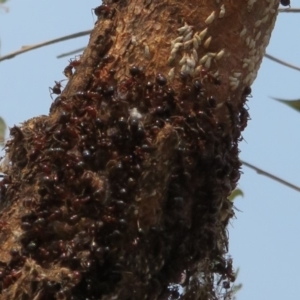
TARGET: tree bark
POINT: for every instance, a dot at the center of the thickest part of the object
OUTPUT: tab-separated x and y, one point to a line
121	191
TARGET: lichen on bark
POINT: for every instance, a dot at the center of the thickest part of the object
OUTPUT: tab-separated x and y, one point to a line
121	191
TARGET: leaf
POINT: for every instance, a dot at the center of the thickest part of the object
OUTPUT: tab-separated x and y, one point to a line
235	194
295	104
236	288
3	1
2	131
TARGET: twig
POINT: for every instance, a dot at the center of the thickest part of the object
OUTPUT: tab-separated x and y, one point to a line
289	10
57	40
70	53
262	172
282	62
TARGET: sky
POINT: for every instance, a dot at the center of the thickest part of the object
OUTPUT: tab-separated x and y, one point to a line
264	237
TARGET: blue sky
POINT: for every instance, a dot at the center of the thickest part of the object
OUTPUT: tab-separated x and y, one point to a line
264	239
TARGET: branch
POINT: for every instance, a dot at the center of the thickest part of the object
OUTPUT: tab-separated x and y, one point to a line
282	62
57	40
70	52
262	172
289	10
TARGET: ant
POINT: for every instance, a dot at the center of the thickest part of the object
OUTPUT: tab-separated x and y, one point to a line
244	117
56	89
247	91
205	75
285	3
135	73
226	271
102	10
73	63
68	71
6	179
126	84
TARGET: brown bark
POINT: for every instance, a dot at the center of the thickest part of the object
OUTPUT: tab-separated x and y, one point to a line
121	192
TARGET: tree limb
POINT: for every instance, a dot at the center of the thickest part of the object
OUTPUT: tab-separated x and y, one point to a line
70	52
262	172
289	10
43	44
282	62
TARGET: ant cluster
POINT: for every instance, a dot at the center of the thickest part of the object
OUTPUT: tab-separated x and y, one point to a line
123	186
86	164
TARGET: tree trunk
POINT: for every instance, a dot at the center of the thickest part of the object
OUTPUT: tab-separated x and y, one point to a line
121	192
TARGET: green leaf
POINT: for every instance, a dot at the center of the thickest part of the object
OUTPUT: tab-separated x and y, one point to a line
295	104
3	1
235	194
236	288
2	131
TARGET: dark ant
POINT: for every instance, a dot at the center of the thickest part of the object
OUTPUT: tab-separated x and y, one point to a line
227	271
56	215
285	3
3	186
244	117
89	111
43	252
10	279
73	63
161	79
247	91
78	203
197	85
108	58
125	85
136	71
29	202
56	89
68	71
59	101
212	102
232	112
102	10
88	95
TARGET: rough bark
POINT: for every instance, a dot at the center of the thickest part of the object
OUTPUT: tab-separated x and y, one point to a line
121	191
